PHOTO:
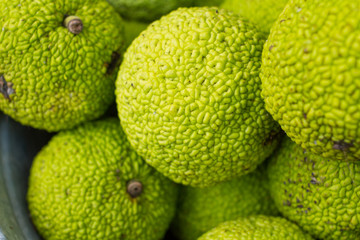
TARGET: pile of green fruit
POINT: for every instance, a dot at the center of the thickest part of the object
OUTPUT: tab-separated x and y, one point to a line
188	119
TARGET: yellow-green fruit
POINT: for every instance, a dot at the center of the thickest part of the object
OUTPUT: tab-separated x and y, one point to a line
207	2
188	96
256	227
263	13
311	78
58	60
201	209
147	10
88	183
132	29
321	196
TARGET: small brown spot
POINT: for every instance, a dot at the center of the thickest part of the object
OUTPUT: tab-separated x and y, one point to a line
304	115
271	47
306	50
300	206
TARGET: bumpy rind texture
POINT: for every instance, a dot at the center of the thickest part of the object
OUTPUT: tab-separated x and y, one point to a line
263	13
78	188
58	79
201	209
188	96
147	10
256	227
321	196
311	77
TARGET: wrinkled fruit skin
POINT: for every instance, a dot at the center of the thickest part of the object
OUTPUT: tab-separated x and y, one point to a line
78	188
311	79
321	196
201	209
188	96
58	79
257	227
263	13
147	10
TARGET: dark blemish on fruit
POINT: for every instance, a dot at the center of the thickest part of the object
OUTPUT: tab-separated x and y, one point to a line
6	88
314	180
287	203
114	62
342	146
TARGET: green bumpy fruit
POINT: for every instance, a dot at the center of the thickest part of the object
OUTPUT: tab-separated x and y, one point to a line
263	13
54	76
188	96
88	183
321	196
256	227
311	78
147	10
207	2
201	209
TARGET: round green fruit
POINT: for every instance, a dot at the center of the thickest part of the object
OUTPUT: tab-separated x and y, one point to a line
263	13
257	227
58	61
208	3
321	196
88	183
311	79
188	96
201	209
147	10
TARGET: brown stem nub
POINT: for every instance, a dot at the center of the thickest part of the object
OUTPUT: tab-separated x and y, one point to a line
134	188
73	24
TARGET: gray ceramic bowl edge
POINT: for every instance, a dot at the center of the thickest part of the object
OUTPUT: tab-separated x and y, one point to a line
18	146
